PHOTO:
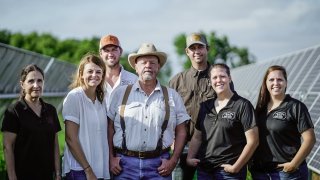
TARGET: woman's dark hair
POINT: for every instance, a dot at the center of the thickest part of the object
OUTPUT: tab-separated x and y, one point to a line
24	73
78	81
221	65
264	95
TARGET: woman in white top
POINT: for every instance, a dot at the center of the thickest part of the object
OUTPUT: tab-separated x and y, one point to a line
84	110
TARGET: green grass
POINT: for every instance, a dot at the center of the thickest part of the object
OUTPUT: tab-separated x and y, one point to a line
61	134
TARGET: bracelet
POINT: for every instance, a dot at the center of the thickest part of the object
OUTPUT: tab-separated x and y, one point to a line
86	167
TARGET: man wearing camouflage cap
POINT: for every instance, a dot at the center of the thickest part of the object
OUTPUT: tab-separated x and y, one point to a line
194	87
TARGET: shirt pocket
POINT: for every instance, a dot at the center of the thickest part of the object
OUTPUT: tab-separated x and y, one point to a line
159	117
132	113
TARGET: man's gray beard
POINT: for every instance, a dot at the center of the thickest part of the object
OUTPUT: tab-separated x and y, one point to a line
147	77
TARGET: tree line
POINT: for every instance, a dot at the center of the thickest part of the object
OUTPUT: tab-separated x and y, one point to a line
71	50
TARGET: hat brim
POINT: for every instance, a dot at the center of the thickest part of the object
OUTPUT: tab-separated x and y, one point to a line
196	42
161	56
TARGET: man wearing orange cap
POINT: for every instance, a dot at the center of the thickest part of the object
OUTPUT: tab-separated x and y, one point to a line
110	51
143	121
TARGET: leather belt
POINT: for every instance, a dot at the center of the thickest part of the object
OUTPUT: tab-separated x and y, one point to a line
140	154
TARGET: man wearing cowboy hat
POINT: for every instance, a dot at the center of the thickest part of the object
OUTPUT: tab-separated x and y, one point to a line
144	120
110	51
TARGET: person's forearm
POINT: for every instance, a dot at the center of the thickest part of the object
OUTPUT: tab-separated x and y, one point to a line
73	143
246	154
305	148
179	143
57	156
194	144
77	152
8	149
9	157
248	150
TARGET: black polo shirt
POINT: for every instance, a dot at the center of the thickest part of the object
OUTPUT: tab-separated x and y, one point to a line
223	133
34	145
280	132
194	87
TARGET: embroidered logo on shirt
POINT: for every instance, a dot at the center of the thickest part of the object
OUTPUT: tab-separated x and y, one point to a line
228	115
279	115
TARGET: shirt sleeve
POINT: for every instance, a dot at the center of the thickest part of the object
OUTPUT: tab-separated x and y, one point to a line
114	102
247	116
10	121
180	109
71	109
304	121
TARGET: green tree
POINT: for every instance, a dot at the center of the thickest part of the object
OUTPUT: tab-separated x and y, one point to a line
70	50
5	36
219	50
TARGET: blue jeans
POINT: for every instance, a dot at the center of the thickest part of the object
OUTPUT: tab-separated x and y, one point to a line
300	174
219	173
77	175
135	168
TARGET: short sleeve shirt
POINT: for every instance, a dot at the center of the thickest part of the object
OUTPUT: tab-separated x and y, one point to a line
194	87
92	120
280	131
125	78
144	116
34	145
223	133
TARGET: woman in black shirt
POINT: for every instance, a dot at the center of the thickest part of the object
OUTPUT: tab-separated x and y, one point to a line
282	121
30	127
225	134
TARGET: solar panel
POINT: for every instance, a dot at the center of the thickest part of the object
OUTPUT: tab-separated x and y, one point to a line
303	68
14	59
301	71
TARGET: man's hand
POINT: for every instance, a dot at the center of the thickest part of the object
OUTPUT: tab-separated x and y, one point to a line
167	166
115	167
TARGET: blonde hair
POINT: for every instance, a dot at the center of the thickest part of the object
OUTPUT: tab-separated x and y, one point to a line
78	81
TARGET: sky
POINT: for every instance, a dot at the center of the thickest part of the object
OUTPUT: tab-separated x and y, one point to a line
268	28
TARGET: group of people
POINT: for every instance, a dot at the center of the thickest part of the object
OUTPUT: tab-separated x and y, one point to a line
122	126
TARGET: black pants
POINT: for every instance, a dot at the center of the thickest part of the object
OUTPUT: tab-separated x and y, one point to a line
187	171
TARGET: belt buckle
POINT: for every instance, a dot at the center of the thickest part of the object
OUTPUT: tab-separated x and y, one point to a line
140	155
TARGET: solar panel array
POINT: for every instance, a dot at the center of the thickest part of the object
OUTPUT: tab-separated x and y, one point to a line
303	68
12	60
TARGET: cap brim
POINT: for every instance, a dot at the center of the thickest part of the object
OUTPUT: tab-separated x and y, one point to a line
196	42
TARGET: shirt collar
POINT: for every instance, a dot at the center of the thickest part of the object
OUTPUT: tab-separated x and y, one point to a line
196	72
230	104
25	105
136	86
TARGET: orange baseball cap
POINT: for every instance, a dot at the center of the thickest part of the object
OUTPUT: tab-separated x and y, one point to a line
109	40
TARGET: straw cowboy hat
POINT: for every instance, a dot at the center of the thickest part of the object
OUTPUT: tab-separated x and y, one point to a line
147	49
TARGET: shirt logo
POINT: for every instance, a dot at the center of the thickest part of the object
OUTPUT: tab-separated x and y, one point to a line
279	115
228	115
